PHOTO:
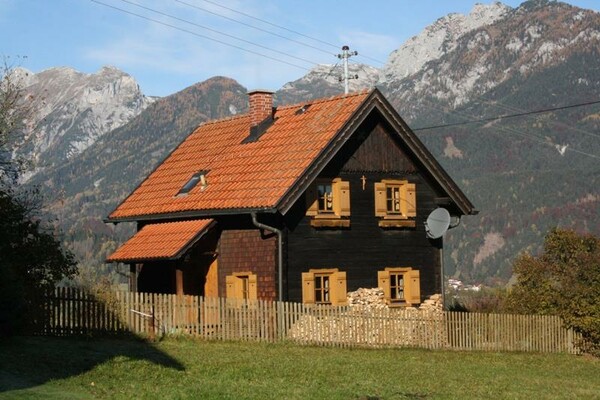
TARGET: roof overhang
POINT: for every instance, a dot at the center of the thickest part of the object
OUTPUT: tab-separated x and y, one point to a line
191	214
162	241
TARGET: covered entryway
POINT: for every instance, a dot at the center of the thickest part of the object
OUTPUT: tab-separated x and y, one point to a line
173	257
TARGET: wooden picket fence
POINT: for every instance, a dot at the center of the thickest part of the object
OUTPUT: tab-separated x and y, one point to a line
69	311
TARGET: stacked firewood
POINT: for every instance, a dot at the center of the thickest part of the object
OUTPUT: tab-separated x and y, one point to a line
374	299
367	298
433	303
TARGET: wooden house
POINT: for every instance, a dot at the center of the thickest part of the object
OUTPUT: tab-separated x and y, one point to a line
300	203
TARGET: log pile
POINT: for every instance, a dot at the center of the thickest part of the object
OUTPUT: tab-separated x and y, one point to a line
433	303
367	298
374	299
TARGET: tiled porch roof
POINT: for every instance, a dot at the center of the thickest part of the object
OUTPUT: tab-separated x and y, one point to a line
164	241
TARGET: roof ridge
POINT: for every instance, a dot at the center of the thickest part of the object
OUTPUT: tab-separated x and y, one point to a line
288	106
326	99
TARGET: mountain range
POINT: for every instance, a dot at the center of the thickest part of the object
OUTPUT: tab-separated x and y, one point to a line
93	138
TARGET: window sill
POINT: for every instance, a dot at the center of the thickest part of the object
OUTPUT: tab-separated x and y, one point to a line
329	223
397	223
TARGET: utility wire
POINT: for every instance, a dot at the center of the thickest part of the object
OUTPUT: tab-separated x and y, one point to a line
507	116
272	24
217	31
516	132
269	23
254	27
200	35
507	107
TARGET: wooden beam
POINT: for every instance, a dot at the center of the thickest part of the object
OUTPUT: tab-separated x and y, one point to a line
133	277
178	280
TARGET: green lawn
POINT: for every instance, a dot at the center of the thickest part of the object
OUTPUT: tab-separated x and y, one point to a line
67	368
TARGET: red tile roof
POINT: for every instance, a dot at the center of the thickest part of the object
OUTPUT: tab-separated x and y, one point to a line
241	175
160	241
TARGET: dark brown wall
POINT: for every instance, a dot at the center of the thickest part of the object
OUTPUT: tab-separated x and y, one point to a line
248	250
365	248
157	277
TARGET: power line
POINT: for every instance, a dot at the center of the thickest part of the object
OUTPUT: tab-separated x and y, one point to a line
507	116
506	107
217	31
516	132
200	35
252	26
271	24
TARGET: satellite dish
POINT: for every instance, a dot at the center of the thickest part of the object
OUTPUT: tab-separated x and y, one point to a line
437	223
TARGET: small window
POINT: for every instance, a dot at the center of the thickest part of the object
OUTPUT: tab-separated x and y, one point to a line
328	202
401	286
198	177
396	203
324	286
325	197
241	285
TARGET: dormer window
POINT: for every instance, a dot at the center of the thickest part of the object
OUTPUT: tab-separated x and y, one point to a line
198	177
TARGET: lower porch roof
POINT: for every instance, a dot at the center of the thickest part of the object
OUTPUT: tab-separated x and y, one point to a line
164	241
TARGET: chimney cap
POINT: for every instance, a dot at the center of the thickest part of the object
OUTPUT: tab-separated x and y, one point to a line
251	92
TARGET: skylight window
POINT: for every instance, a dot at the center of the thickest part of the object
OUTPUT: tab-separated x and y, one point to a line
198	177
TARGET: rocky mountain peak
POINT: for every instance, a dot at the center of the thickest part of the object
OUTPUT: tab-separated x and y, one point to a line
439	38
72	109
324	81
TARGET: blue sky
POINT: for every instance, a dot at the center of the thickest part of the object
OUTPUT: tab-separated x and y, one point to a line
39	34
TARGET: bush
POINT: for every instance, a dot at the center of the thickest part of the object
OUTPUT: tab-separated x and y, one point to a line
31	262
487	300
564	281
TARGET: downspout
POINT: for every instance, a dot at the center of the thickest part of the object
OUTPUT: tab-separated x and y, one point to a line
279	252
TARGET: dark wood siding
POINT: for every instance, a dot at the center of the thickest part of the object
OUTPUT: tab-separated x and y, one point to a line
365	248
249	250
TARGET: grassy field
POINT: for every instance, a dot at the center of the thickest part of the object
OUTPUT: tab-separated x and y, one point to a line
66	368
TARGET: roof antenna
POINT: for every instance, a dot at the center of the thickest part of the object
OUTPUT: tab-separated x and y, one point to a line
346	54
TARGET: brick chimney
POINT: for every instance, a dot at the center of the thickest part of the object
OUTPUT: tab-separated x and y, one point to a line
261	106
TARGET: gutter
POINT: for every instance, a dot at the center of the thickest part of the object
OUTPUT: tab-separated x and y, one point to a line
279	251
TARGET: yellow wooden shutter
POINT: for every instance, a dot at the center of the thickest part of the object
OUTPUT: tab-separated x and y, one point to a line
412	287
252	287
380	199
383	281
339	291
308	287
341	197
230	287
408	200
312	202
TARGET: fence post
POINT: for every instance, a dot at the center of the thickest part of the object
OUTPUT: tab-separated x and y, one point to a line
152	333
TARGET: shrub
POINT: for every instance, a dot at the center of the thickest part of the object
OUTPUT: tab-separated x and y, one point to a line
564	281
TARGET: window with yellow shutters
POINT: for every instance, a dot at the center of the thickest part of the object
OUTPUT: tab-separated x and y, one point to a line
328	203
401	285
396	203
324	286
241	285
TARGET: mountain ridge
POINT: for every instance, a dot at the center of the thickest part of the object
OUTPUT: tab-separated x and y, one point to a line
513	170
